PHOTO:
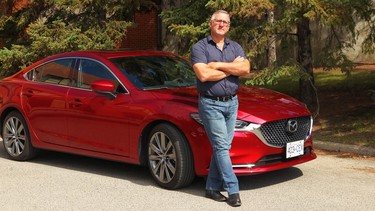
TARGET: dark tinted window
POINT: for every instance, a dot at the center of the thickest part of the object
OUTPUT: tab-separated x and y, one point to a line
90	71
56	72
153	72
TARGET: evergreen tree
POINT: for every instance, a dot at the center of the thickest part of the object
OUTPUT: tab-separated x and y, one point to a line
45	27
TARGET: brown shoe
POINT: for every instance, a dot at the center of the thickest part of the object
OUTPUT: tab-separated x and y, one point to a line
215	195
234	200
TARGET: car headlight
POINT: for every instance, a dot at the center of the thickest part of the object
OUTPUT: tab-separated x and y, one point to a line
245	126
240	124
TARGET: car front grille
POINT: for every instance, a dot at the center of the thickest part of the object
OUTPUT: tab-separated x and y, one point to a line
276	133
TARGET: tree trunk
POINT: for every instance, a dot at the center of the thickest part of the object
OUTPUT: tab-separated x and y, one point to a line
271	41
306	85
170	41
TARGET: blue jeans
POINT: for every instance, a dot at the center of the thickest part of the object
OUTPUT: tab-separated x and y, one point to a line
219	119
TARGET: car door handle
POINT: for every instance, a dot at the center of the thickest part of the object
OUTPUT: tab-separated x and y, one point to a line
75	102
28	93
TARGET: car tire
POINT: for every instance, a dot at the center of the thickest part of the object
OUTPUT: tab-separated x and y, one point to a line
16	137
169	157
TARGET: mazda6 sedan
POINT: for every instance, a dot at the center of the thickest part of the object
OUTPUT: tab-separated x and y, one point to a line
140	107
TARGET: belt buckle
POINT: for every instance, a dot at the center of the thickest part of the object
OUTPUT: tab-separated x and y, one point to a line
226	98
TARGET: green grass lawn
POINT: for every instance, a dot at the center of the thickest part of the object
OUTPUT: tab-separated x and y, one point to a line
346	106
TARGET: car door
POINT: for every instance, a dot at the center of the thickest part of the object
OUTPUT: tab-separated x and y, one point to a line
44	100
96	121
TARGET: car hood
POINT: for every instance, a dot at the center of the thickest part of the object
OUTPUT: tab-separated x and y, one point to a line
261	105
257	105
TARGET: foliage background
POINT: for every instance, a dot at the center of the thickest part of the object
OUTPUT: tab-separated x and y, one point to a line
251	27
46	27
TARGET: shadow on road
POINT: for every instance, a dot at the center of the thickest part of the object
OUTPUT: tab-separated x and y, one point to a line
270	178
250	182
133	173
140	174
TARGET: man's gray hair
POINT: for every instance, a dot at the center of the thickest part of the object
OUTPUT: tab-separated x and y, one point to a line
217	12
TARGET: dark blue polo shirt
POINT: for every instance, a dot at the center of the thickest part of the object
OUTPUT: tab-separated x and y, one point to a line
206	51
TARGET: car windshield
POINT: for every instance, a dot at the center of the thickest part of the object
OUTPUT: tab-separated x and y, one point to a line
157	72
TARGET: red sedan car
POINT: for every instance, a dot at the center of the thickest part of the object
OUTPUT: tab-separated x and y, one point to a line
140	107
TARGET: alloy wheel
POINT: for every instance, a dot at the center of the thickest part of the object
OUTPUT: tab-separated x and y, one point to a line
14	136
162	157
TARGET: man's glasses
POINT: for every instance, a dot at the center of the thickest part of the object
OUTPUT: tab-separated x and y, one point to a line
225	23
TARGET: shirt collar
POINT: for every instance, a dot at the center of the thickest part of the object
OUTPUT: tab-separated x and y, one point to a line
209	39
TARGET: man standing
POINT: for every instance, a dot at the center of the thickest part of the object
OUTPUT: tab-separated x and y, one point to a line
218	62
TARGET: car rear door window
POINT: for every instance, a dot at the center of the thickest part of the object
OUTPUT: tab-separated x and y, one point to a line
55	72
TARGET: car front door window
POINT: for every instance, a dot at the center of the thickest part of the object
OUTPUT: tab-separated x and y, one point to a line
90	71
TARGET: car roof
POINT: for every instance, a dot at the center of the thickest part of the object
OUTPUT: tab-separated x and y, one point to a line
98	54
106	54
110	54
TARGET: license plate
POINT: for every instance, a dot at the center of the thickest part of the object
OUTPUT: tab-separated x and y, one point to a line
294	149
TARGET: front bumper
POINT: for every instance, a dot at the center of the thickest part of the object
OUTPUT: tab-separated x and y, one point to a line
251	156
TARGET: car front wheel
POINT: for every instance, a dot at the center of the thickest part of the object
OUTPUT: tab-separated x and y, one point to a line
16	137
169	157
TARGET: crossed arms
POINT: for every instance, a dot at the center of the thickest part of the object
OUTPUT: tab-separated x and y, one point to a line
215	71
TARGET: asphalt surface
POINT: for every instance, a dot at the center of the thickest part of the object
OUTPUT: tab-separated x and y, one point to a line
58	181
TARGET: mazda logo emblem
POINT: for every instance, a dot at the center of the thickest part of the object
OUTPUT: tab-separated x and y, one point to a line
292	126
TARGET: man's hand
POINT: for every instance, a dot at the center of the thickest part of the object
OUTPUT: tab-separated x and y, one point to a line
239	59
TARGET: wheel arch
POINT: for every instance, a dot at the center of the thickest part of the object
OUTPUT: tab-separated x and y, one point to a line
5	113
20	148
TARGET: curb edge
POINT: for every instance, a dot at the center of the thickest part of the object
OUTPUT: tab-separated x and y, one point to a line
338	147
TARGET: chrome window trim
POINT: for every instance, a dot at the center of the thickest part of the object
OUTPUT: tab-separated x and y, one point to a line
77	58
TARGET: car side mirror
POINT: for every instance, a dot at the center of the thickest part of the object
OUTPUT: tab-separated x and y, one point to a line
106	87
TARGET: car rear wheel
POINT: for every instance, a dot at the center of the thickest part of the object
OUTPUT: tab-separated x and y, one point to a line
169	157
16	137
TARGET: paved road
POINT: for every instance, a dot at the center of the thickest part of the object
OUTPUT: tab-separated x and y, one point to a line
56	181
